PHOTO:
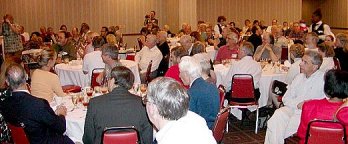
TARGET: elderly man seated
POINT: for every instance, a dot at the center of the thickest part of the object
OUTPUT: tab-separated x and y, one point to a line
306	86
117	108
41	124
204	96
267	50
148	53
167	105
246	65
186	42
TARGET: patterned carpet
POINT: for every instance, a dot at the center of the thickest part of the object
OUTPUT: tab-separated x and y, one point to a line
245	134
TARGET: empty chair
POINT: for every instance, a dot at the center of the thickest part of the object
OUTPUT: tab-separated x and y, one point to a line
18	134
243	94
95	73
325	131
120	135
71	88
220	124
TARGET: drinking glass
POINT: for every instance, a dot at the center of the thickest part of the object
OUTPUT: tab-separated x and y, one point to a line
74	100
143	88
89	91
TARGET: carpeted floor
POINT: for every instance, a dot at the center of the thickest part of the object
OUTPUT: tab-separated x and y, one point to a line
245	134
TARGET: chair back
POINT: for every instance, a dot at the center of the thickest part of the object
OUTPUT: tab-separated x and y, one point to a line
71	88
95	73
222	92
148	72
18	134
337	63
120	135
285	54
242	86
325	131
220	124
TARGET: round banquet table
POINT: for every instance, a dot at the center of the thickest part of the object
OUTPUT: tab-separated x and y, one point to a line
267	77
72	74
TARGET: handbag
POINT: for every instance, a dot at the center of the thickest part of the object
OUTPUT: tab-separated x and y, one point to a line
279	88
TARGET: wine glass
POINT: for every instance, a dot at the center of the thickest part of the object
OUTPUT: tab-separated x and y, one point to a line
89	91
74	100
85	102
143	88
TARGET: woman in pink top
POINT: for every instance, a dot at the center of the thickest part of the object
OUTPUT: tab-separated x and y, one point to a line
175	55
230	50
335	87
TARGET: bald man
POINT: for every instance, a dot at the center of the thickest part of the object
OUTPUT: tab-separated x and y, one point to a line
148	53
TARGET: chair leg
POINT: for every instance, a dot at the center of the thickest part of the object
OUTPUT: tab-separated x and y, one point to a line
257	120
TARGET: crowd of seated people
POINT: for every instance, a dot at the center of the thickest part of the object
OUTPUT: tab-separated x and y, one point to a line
191	67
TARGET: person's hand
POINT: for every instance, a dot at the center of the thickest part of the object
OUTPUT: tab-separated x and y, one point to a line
61	110
268	47
300	105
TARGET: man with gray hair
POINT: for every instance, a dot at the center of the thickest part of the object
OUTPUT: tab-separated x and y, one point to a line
149	53
186	42
167	105
204	96
41	124
109	55
309	84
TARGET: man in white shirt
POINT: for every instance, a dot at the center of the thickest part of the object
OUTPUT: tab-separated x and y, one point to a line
186	42
319	27
306	86
167	105
246	65
148	53
221	22
93	59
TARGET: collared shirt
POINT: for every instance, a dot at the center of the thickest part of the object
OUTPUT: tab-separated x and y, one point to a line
327	30
144	57
226	53
91	61
247	65
303	88
294	70
189	129
217	29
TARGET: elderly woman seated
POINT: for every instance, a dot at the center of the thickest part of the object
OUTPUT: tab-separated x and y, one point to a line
45	84
267	50
335	87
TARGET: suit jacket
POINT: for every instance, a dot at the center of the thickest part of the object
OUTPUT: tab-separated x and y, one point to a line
117	108
204	100
41	124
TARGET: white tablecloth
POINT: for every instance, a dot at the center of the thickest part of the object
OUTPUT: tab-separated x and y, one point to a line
264	85
70	74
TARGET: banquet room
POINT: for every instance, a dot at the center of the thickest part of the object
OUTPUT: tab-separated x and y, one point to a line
174	71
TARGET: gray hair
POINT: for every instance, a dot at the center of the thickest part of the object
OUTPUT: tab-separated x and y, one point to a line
203	60
170	98
45	56
248	48
191	66
15	76
316	58
110	50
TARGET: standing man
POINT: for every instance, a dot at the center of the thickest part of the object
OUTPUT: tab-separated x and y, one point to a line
221	22
12	41
320	28
153	20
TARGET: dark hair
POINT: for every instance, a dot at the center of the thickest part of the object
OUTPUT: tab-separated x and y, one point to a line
34	33
123	76
106	29
144	30
317	12
254	29
255	21
221	18
154	12
61	27
336	84
98	42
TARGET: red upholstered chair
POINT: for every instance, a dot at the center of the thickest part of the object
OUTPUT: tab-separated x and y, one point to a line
325	131
71	88
337	63
220	124
95	73
222	92
120	135
148	72
243	88
18	134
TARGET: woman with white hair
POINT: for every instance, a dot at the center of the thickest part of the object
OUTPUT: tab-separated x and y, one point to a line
207	73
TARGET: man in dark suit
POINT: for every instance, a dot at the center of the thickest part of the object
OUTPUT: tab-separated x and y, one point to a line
41	124
204	97
117	108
